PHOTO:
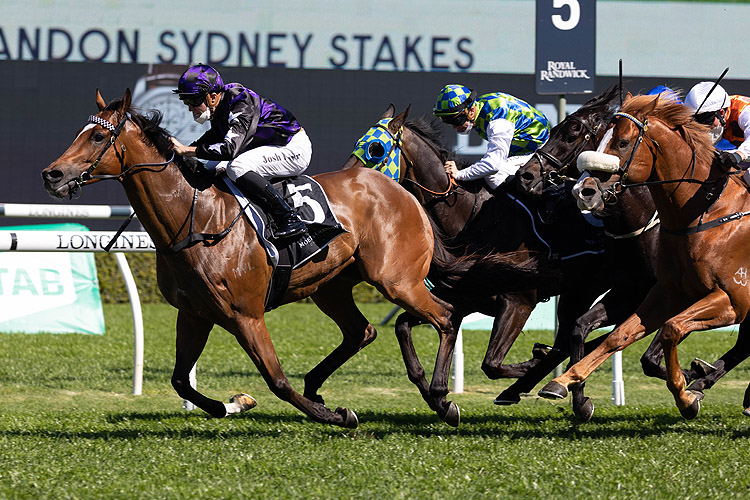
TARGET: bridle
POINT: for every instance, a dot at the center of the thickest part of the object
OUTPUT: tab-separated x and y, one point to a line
610	195
557	177
193	238
452	184
114	130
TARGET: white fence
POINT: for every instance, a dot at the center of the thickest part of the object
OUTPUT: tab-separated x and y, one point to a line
85	241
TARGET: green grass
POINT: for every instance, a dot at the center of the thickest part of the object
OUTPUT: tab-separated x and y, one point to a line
69	427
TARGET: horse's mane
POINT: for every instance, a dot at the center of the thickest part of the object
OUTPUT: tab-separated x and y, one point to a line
678	117
152	131
430	129
601	105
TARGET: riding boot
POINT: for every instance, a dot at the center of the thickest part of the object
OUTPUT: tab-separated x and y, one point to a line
256	188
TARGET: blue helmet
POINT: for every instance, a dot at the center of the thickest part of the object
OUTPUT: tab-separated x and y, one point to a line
666	93
199	80
453	99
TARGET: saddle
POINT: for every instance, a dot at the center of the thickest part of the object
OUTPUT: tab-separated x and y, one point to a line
309	201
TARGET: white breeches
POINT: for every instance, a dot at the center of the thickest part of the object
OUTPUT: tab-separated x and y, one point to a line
270	161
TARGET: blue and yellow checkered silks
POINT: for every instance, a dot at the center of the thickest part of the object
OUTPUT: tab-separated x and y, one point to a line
532	127
378	149
452	99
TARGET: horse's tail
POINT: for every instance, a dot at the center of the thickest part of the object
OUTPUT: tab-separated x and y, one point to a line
489	273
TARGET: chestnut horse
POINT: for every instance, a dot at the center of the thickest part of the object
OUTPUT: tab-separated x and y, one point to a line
389	243
701	273
476	219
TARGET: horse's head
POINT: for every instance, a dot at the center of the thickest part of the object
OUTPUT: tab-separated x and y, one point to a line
96	149
554	162
652	141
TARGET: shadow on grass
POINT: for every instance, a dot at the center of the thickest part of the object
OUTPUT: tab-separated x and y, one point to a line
382	424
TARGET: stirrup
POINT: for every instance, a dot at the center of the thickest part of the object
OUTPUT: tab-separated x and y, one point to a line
292	227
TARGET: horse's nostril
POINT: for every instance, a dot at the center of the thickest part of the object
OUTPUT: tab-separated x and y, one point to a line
51	175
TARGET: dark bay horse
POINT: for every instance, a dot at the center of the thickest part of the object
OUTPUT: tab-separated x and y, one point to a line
474	218
629	224
701	273
225	283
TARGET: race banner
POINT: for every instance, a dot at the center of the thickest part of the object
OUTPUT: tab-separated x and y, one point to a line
50	292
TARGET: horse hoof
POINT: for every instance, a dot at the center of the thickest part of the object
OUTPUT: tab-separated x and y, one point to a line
540	351
452	417
507	398
240	403
691	411
746	411
701	367
349	417
585	411
553	390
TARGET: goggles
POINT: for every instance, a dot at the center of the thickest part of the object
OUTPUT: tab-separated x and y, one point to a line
193	101
455	120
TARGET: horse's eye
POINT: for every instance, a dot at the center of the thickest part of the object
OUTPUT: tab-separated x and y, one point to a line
623	143
98	137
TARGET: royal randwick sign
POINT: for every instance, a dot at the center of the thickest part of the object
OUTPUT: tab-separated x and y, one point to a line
565	46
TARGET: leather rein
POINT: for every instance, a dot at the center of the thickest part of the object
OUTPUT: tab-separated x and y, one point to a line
193	238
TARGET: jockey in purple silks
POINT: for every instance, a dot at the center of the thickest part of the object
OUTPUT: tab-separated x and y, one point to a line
251	138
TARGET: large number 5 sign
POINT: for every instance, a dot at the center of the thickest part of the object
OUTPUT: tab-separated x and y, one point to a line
565	46
572	20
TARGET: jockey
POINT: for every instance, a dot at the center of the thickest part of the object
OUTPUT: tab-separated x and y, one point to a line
727	116
511	126
251	138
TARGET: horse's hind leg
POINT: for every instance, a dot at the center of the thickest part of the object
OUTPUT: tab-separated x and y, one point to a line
336	301
734	356
404	324
252	335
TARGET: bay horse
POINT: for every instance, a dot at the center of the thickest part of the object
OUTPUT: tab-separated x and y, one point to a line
475	219
700	270
224	282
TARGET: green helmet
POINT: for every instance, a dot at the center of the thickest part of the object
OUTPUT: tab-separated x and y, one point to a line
453	99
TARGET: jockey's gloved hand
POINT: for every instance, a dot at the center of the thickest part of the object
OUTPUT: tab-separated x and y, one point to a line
729	159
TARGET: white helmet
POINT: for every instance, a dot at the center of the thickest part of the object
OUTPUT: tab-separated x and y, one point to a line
718	99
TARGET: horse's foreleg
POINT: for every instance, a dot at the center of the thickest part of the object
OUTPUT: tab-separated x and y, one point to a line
713	311
335	300
513	312
414	370
192	334
650	314
254	338
435	395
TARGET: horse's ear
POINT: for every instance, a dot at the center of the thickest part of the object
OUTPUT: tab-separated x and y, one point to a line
649	108
389	112
126	100
399	121
100	101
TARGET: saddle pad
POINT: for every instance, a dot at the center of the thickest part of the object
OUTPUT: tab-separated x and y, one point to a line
311	204
570	235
